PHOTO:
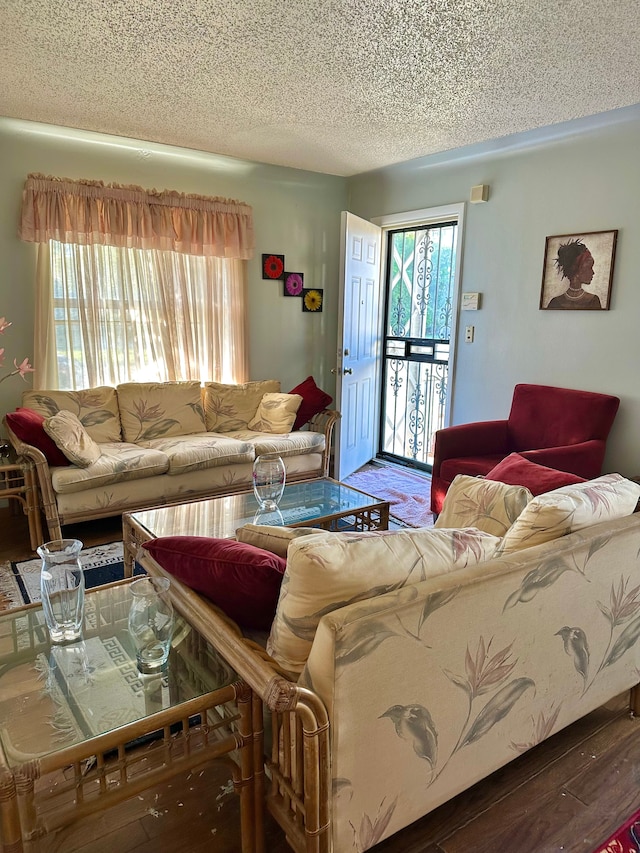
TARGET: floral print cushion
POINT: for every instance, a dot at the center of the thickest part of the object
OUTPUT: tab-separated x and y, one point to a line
485	504
97	409
327	571
118	462
571	508
151	410
199	451
276	413
72	438
270	537
291	444
231	407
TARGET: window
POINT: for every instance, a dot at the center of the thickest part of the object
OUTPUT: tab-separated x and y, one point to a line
145	315
136	285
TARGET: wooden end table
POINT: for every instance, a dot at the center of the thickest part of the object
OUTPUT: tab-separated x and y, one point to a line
84	708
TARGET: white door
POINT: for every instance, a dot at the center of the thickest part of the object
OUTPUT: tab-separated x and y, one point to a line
358	364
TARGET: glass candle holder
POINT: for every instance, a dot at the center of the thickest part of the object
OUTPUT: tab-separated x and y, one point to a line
151	622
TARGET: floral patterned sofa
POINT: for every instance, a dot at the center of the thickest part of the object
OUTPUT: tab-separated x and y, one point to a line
104	451
404	666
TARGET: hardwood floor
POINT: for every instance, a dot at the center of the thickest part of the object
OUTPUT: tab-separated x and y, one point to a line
568	794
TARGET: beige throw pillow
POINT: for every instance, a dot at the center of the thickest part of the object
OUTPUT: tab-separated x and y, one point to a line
229	408
276	413
486	504
571	508
272	538
329	570
72	438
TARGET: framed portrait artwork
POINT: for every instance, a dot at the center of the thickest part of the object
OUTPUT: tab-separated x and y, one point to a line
578	271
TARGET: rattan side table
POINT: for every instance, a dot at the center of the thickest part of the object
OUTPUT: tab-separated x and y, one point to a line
18	482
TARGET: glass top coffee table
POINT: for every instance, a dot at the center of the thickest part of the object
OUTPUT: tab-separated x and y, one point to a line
81	729
324	503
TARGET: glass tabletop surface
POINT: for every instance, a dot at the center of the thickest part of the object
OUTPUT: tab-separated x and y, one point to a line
56	696
301	503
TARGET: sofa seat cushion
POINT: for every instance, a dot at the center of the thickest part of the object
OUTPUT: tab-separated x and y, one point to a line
518	471
292	444
242	580
472	466
118	462
569	509
151	410
97	409
230	407
327	571
485	504
202	450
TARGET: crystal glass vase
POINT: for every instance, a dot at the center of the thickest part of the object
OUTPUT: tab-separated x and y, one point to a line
62	589
269	477
151	622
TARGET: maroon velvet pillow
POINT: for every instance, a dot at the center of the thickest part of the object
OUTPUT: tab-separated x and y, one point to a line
242	580
314	400
27	425
515	470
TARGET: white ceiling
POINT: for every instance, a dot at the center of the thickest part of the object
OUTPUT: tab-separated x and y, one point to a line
335	86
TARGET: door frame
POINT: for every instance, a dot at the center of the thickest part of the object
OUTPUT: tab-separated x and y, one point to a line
427	216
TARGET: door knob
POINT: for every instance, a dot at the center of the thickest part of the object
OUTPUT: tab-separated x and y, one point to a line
347	370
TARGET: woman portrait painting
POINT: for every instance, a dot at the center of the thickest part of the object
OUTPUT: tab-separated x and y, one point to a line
578	270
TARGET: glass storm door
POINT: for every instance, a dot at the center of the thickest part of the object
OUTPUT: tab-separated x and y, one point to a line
419	286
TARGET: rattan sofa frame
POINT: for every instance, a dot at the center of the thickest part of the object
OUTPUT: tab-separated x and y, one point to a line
322	423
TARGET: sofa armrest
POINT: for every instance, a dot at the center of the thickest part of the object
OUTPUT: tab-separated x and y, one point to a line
47	497
300	755
324	422
482	438
584	459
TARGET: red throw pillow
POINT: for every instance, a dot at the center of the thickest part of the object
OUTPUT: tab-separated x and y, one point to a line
515	470
27	425
314	400
242	580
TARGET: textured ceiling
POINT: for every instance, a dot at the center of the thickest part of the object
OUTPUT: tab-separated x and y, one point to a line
335	86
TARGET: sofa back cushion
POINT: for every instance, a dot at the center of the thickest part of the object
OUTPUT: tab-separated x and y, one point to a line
97	409
272	537
544	416
571	508
488	505
229	408
151	410
329	570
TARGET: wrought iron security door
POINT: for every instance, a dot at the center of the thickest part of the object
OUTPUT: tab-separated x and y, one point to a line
417	337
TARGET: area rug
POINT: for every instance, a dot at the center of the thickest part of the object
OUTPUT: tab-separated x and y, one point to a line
20	581
409	494
626	839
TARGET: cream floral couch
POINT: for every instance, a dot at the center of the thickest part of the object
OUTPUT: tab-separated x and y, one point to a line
403	667
146	444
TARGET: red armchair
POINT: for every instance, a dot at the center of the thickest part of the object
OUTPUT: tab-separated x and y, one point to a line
556	427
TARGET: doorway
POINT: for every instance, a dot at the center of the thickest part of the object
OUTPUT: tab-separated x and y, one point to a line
420	295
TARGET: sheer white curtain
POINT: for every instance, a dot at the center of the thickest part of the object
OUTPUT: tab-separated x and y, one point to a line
136	285
107	315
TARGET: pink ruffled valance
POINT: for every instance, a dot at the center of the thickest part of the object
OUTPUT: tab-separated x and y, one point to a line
89	212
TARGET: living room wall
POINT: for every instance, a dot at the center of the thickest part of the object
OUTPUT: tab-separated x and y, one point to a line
572	178
296	213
